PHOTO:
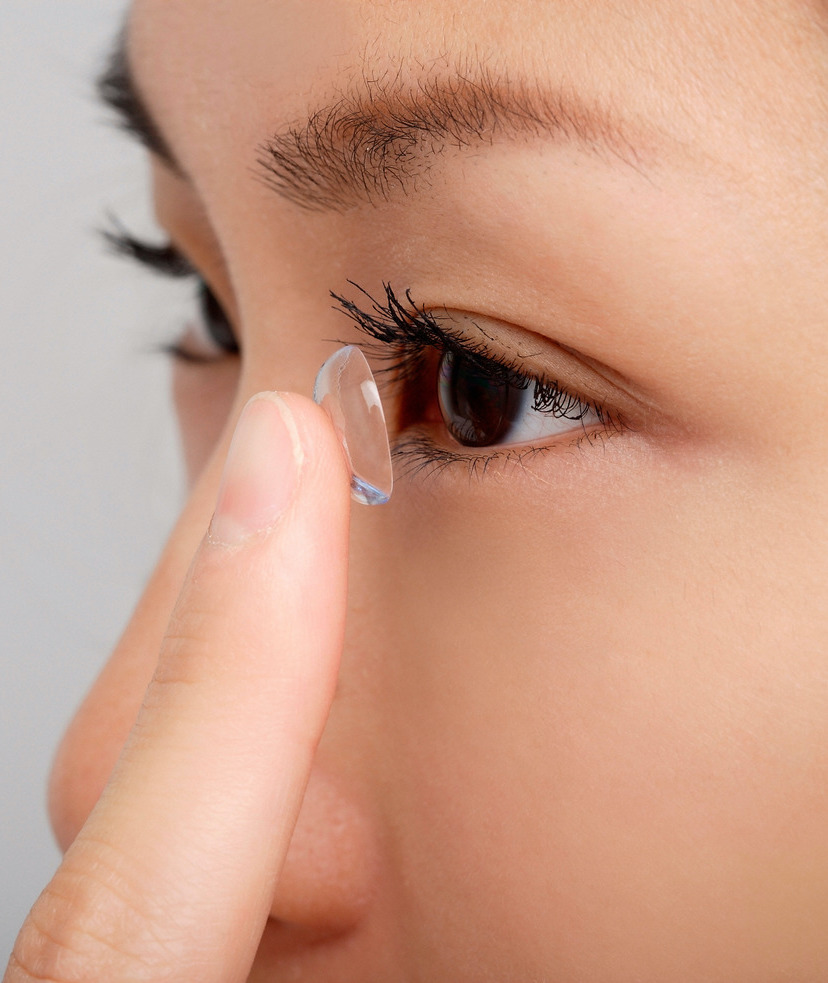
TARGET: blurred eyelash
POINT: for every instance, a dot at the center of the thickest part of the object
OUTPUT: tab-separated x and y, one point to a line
164	259
404	333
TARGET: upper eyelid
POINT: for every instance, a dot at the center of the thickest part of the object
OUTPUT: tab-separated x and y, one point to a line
395	322
558	364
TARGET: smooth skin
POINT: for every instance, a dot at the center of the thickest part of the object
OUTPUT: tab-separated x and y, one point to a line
580	729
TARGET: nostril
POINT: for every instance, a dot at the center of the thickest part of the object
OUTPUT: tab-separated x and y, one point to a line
328	878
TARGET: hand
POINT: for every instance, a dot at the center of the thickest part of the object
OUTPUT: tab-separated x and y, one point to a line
172	875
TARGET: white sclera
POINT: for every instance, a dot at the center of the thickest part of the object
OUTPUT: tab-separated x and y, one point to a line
346	390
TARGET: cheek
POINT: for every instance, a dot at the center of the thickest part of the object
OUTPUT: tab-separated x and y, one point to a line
600	723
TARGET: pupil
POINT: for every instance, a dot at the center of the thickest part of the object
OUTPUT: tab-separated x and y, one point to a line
478	408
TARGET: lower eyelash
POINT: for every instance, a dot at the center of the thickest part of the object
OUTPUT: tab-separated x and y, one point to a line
419	456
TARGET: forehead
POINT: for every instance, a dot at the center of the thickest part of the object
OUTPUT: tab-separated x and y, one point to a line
696	75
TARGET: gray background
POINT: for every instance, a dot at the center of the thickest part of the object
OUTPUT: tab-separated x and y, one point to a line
89	482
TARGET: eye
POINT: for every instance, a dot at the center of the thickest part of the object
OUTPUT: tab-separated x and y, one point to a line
482	406
457	381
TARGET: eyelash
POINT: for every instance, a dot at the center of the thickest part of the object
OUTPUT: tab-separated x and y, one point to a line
168	261
402	335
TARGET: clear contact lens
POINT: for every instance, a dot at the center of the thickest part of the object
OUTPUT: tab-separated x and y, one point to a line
346	390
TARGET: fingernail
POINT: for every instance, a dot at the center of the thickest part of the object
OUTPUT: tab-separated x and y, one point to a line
261	471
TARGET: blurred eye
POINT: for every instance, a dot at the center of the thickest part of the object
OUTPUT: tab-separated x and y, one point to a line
216	323
210	336
482	406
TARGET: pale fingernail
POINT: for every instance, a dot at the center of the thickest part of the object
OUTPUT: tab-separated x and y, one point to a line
261	471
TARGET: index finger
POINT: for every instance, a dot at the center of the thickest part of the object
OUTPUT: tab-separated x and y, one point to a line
173	873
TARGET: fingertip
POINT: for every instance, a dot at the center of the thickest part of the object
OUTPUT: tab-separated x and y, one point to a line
323	455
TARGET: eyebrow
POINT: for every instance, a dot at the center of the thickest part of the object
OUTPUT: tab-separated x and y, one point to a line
382	138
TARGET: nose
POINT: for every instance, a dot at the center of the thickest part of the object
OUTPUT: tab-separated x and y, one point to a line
325	885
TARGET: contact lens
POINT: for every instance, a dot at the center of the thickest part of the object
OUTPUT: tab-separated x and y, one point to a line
346	390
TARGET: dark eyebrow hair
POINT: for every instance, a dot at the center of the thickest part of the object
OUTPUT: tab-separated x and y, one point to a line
383	137
117	89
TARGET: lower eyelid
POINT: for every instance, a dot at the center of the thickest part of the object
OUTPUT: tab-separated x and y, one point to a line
417	454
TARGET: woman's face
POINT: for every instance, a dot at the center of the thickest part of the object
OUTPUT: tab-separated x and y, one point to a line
581	731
